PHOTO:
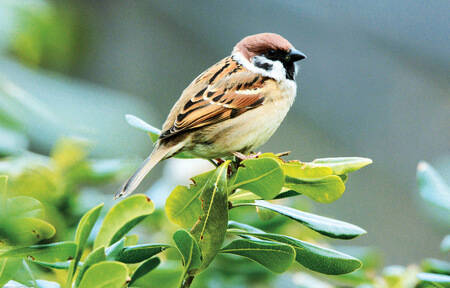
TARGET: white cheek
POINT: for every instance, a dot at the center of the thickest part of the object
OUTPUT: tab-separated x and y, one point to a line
277	72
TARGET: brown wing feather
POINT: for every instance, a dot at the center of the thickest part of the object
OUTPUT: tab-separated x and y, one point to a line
210	99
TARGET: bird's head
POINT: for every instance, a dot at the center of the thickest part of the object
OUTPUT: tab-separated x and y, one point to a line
270	52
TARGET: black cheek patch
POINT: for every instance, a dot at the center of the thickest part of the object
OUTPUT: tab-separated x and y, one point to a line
264	65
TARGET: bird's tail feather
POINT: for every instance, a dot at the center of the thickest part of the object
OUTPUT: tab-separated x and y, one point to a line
133	182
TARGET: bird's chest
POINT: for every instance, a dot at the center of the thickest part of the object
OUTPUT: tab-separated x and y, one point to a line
251	129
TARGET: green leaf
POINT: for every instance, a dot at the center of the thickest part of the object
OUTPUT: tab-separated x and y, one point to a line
8	268
28	230
438	279
445	244
144	126
139	253
432	187
54	252
188	248
143	269
325	226
84	228
105	275
343	165
122	218
96	256
113	251
323	190
183	206
274	256
436	266
316	258
262	176
237	225
57	265
305	171
23	206
47	284
131	240
211	228
243	195
166	276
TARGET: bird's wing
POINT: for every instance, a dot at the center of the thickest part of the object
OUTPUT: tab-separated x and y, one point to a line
224	91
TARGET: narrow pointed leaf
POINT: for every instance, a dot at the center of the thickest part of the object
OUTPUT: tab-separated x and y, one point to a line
105	275
153	132
188	248
140	124
143	269
183	206
445	244
139	253
56	265
122	218
316	258
439	279
276	257
96	256
262	176
112	252
325	226
47	284
210	230
343	165
54	252
84	228
432	186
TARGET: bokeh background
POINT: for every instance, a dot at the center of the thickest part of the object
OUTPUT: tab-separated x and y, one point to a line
375	84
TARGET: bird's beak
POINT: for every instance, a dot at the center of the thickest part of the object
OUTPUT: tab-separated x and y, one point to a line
296	55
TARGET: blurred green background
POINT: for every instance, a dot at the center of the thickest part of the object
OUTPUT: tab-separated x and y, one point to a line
375	84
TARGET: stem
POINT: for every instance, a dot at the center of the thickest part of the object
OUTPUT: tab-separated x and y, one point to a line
188	281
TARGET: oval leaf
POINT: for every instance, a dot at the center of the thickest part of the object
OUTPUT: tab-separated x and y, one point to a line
325	226
183	206
274	256
188	248
211	228
263	176
54	252
343	165
143	269
122	218
96	256
105	275
323	190
305	171
29	230
23	206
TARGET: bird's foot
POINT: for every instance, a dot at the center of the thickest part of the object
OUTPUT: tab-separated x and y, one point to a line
242	157
283	154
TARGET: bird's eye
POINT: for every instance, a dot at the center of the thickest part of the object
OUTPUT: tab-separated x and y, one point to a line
271	52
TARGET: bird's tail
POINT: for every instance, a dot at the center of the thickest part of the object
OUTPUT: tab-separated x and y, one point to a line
133	182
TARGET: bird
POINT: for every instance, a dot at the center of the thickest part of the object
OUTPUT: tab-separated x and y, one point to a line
233	107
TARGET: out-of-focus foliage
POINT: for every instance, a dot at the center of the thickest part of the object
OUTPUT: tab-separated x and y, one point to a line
47	36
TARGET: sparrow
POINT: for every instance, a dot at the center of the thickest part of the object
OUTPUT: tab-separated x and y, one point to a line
231	108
